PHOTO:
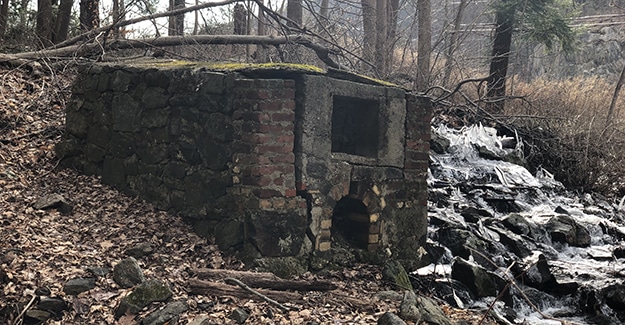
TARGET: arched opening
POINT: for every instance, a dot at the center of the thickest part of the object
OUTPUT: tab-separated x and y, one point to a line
350	221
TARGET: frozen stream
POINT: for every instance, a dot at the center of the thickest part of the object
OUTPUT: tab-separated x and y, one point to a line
493	213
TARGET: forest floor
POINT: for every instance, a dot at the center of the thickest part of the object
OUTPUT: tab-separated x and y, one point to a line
40	250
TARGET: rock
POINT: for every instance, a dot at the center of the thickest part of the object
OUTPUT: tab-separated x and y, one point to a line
239	315
143	295
481	282
53	201
517	224
394	273
42	291
127	273
390	319
170	312
471	214
514	242
53	305
140	250
615	297
276	233
565	229
40	316
76	286
283	267
98	271
200	320
455	293
389	295
439	144
420	308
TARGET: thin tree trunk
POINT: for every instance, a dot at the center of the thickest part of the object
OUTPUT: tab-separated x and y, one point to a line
496	83
393	11
368	26
617	89
62	20
323	15
119	14
424	46
453	41
176	23
294	12
381	24
196	19
4	15
44	22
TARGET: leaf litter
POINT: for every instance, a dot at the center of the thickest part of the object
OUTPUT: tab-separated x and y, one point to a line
43	249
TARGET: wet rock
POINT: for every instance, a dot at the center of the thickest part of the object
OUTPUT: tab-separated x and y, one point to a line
514	242
462	242
98	271
168	314
561	210
395	273
420	308
127	273
439	144
455	293
76	286
619	252
615	297
144	294
53	201
239	315
471	214
390	319
480	282
538	274
140	250
564	229
517	224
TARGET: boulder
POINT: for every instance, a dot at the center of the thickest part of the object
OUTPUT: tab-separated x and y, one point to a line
390	319
140	250
420	308
481	282
127	273
78	285
394	273
144	294
564	229
166	315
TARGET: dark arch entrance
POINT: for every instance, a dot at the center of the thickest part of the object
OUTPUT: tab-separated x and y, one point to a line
350	221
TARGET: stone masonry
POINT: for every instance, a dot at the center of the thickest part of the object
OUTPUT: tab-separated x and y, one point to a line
282	160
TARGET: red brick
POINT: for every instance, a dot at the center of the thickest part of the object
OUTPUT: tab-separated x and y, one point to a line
270	105
256	180
256	138
287	138
264	193
278	181
269	148
300	186
288	105
286	158
270	128
291	192
283	117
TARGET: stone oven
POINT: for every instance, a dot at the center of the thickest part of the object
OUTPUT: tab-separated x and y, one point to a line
287	161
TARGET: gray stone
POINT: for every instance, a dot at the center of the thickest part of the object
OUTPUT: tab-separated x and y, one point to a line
439	144
125	113
39	315
53	201
420	308
390	318
394	273
200	320
98	271
615	297
239	315
228	234
167	314
481	282
284	267
140	250
77	125
565	229
127	273
389	295
275	233
154	98
76	286
144	294
53	305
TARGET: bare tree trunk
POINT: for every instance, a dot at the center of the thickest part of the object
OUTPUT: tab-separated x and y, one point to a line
176	23
294	12
196	19
496	83
381	24
89	14
424	46
323	15
239	19
62	20
44	22
453	41
4	15
617	89
392	32
119	14
368	26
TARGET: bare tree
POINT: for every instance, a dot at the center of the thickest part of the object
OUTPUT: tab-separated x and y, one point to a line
61	27
453	41
4	16
424	45
369	30
44	22
176	23
89	14
119	14
381	24
294	11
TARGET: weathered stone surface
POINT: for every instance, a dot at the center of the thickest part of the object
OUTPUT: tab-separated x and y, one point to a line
275	233
127	273
228	234
140	250
53	201
390	318
76	286
439	144
53	305
565	229
284	267
144	294
239	315
420	308
98	271
37	315
481	282
200	320
394	273
168	314
615	296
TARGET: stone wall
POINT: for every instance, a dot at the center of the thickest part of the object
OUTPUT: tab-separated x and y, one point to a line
254	160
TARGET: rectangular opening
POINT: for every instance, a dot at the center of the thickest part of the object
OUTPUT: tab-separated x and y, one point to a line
355	126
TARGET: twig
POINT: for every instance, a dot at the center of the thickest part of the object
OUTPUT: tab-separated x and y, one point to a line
20	317
265	298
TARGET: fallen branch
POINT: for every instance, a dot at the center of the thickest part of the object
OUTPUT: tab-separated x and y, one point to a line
220	289
265	280
263	297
